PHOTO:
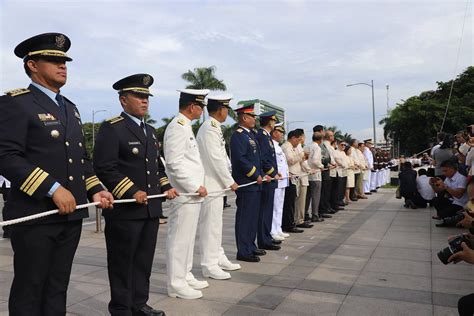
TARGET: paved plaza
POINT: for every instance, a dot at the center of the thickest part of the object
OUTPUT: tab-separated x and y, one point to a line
374	258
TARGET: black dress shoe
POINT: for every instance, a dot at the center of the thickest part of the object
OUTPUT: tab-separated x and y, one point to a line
339	208
276	242
325	215
354	199
331	211
227	205
341	203
368	193
305	225
148	311
373	191
250	258
163	217
259	252
316	219
293	230
271	247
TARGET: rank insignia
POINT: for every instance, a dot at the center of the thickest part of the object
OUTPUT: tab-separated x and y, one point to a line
60	41
46	117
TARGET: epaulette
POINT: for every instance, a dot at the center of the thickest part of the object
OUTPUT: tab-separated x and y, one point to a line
239	130
214	124
114	120
181	122
17	92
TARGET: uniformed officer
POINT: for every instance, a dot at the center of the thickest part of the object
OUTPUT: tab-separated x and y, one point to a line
217	177
186	172
42	153
127	161
246	167
270	168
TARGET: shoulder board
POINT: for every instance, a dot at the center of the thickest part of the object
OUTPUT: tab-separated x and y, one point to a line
181	122
213	124
239	130
114	120
16	92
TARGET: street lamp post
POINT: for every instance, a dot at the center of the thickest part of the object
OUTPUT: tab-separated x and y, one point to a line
93	125
371	84
288	124
98	211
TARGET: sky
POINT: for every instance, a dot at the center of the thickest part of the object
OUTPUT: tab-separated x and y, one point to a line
299	55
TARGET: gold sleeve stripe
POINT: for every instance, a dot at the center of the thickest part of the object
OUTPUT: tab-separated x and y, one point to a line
162	184
90	179
251	172
92	184
164	180
270	171
37	183
29	178
120	185
124	189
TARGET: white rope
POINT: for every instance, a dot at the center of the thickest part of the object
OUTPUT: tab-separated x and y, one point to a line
156	196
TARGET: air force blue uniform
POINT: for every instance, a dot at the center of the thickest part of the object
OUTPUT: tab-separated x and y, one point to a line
246	167
269	167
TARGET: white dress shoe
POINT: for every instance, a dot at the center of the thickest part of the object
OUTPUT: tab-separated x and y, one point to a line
196	284
284	235
278	237
229	266
187	293
216	273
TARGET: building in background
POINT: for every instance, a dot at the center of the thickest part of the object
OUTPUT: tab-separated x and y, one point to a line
262	106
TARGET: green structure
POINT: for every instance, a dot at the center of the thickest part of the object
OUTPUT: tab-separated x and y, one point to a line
262	106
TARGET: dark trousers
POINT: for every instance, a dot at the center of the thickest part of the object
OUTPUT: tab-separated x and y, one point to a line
5	191
341	188
130	251
334	199
288	218
466	305
42	262
444	207
265	217
352	191
246	221
326	186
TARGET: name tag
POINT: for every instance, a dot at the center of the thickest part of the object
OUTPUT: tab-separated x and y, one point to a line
51	123
134	143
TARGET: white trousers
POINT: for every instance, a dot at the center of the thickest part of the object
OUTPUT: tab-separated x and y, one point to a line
210	232
366	181
373	180
277	211
182	225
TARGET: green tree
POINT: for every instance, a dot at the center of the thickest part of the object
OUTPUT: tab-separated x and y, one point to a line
203	78
338	134
414	123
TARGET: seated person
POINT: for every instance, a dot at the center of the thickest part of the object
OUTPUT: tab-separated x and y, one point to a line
451	193
425	191
407	179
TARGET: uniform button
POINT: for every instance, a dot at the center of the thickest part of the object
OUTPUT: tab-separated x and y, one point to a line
67	143
146	159
147	172
82	160
80	144
70	160
157	173
83	177
149	185
71	178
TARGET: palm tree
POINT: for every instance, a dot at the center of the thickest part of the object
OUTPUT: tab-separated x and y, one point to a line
203	78
147	118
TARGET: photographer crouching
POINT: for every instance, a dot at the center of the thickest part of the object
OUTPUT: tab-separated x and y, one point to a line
461	249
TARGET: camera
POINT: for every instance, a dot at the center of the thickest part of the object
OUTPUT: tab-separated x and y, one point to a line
454	247
453	220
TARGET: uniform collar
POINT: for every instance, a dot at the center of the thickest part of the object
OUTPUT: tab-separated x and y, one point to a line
265	131
183	117
49	93
135	119
214	120
244	128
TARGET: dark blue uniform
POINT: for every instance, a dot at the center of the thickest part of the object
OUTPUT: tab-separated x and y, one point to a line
246	167
39	145
269	167
126	160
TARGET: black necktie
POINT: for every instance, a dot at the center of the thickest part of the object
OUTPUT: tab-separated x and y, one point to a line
62	106
142	125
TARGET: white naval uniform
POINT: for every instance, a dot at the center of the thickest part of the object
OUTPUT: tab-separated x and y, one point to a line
370	165
186	174
217	177
280	191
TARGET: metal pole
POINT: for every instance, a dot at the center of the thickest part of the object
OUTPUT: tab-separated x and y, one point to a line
98	220
93	129
373	113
